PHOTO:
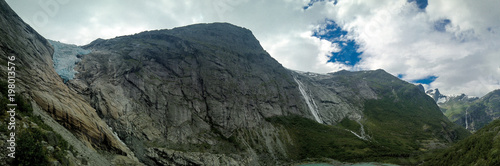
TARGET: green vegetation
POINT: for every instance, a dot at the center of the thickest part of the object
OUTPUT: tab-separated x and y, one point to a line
315	142
480	112
482	148
349	124
407	118
455	107
29	149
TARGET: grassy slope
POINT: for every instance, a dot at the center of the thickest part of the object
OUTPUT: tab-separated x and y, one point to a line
454	109
481	111
482	148
314	140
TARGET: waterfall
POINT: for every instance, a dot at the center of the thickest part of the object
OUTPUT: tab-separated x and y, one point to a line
362	135
309	101
466	123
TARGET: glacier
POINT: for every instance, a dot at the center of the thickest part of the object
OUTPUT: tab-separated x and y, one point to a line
65	58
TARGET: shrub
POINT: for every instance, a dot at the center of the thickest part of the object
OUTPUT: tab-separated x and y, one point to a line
29	150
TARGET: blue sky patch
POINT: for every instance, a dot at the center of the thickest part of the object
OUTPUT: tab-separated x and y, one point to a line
348	53
427	80
311	3
440	25
422	4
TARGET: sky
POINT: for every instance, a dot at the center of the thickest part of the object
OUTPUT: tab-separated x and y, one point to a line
453	45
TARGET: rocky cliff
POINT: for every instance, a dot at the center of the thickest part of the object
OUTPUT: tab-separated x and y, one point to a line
37	81
185	87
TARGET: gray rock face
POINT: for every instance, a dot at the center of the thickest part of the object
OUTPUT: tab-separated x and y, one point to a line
437	96
190	85
38	82
335	98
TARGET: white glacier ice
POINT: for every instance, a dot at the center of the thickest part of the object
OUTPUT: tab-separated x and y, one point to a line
309	101
65	58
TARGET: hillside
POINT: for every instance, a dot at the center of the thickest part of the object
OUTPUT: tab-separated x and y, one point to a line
482	148
472	113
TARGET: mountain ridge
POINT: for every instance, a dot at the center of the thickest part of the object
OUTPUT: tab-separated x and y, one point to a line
470	112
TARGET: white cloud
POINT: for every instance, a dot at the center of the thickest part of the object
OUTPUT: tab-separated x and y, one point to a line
282	27
394	35
401	39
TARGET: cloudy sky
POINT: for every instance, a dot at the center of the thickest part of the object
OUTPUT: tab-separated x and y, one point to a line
453	45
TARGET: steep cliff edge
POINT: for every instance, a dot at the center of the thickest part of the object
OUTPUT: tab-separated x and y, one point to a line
37	81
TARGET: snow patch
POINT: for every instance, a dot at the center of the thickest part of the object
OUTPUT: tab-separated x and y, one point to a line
442	100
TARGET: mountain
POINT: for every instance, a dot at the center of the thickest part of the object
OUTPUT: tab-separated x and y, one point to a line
471	112
437	96
481	112
44	92
482	148
206	94
193	88
392	119
211	89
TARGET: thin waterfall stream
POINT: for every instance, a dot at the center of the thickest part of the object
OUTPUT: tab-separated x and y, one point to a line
309	101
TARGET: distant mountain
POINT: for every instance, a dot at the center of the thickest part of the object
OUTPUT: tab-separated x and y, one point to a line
481	148
480	112
470	112
437	96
